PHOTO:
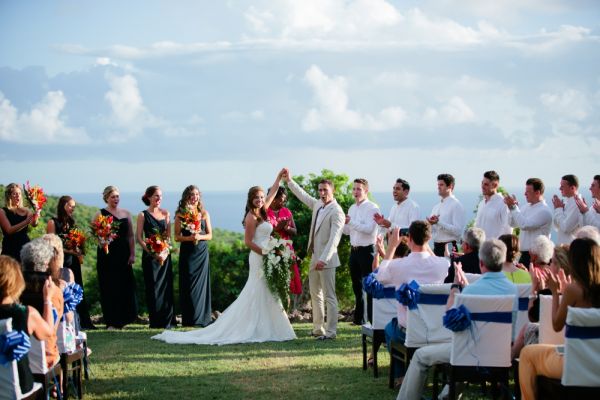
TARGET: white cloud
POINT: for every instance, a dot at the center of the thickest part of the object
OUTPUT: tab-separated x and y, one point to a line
333	112
570	104
255	115
42	124
454	111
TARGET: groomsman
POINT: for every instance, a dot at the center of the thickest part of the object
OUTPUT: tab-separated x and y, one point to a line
362	229
567	217
325	233
591	216
535	219
492	213
447	217
403	213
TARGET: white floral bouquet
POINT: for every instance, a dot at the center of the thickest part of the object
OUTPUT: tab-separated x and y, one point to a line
279	257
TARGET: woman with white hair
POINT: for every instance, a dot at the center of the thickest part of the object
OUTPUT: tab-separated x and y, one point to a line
36	257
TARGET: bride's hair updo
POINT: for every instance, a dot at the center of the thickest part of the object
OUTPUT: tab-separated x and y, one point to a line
150	190
262	213
185	196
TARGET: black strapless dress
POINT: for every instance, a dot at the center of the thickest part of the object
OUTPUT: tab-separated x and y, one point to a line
115	278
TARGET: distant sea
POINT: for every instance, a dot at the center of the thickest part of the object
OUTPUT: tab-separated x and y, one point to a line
227	208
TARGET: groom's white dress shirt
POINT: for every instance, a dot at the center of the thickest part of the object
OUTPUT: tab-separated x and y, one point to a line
451	220
362	227
533	220
567	220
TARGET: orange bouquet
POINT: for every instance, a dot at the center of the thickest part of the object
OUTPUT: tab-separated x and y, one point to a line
75	240
159	244
191	220
36	198
105	228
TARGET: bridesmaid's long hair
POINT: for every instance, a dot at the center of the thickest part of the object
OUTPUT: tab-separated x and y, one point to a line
262	213
185	196
61	213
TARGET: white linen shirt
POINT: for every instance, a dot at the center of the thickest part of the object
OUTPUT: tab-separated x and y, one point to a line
592	217
492	217
567	220
451	220
362	228
403	214
534	220
421	267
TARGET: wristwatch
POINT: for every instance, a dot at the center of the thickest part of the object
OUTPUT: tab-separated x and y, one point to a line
456	286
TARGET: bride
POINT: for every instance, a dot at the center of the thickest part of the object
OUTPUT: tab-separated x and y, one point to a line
256	315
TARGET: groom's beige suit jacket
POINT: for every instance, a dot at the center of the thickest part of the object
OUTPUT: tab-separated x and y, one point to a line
327	233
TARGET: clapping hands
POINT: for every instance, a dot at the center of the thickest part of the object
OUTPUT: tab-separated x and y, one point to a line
558	203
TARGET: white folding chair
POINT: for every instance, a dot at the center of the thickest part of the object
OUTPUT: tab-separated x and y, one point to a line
547	335
384	310
9	375
481	353
424	324
582	348
48	377
524	290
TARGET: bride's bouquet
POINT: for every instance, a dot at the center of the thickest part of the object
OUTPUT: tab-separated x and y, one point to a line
159	244
278	259
104	229
35	197
190	220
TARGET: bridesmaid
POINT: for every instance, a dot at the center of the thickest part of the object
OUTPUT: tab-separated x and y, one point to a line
14	220
283	224
158	271
61	225
194	272
115	274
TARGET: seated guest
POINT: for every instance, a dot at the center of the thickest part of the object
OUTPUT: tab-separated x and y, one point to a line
584	292
514	273
529	334
35	259
420	265
492	255
26	319
60	276
469	259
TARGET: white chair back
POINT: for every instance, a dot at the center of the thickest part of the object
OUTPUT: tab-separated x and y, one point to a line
471	278
547	335
582	348
424	324
383	311
9	376
524	290
37	356
485	344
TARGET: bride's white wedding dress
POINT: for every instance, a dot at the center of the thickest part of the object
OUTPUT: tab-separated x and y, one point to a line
255	316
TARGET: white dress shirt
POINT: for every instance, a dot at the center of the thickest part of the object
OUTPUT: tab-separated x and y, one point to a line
534	220
421	267
592	217
362	227
403	214
451	220
567	220
492	217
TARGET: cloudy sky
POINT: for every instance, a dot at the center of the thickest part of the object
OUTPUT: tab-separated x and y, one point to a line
223	93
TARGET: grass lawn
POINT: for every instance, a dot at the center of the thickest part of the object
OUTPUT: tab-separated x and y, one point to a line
127	364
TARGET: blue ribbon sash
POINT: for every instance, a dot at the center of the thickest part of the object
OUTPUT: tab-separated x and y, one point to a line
582	332
460	318
13	346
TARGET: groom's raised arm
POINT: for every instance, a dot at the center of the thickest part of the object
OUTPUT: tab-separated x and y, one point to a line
300	193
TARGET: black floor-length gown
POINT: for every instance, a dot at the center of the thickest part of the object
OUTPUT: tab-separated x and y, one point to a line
115	278
158	279
12	244
72	262
194	281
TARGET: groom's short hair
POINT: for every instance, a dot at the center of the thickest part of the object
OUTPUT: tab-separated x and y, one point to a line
326	182
363	182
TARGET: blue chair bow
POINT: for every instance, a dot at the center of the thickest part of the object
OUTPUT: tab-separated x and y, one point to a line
408	294
373	287
13	346
73	294
458	319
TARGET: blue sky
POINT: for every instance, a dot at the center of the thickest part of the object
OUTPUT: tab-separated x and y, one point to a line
223	94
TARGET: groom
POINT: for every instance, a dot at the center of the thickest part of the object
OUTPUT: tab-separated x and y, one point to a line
324	237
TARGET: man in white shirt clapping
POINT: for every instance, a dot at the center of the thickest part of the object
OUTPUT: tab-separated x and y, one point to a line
447	217
534	219
591	215
362	229
492	213
403	213
567	217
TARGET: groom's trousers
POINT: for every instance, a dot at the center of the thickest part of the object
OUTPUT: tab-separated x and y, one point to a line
322	294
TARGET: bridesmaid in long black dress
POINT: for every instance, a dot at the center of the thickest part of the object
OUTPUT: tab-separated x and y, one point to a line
194	272
157	268
14	221
115	274
61	225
